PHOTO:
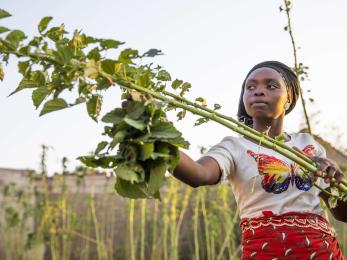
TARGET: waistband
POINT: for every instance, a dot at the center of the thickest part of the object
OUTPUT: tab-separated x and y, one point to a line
290	219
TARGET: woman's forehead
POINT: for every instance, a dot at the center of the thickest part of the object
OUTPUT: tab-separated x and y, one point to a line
265	73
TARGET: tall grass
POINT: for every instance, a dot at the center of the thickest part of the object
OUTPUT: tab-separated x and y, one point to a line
67	217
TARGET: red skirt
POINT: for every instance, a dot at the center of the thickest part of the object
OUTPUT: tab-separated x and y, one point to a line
291	235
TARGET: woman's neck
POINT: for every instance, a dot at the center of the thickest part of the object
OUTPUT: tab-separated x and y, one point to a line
272	127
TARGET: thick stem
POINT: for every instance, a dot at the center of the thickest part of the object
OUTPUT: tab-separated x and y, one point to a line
256	136
309	167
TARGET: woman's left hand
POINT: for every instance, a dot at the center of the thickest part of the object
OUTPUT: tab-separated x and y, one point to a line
328	170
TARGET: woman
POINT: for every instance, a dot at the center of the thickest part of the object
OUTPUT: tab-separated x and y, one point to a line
280	211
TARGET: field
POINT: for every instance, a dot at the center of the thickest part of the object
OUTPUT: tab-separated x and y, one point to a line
75	217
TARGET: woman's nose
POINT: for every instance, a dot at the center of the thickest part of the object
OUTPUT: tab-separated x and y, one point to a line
259	92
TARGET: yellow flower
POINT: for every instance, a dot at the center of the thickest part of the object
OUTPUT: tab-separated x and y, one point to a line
2	74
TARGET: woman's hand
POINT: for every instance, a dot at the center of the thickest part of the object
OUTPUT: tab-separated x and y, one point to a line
328	170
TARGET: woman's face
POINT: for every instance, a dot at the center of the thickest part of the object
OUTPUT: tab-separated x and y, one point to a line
265	94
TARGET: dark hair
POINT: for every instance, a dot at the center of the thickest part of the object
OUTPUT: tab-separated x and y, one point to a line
290	79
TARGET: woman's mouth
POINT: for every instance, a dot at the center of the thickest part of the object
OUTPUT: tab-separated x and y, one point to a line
259	104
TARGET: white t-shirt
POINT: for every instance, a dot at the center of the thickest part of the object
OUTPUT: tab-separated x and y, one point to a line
275	183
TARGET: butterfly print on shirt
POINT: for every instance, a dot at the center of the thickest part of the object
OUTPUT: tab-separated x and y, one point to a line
277	175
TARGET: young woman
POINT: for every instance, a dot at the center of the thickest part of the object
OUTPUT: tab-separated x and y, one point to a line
280	211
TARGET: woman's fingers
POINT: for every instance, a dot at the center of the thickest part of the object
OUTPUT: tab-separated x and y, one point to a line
327	169
322	168
331	172
339	176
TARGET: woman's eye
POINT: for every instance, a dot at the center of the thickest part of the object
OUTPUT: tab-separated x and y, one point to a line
250	86
272	86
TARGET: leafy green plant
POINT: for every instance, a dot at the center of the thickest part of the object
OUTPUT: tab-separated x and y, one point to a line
142	144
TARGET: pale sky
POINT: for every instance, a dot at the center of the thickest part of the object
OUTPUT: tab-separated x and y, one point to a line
211	44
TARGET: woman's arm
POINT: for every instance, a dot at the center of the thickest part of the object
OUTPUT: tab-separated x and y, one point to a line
328	169
340	211
204	171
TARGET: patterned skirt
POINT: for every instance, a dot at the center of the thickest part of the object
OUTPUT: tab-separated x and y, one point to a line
291	235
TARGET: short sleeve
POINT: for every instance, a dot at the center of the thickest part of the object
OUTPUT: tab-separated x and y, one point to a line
222	154
321	150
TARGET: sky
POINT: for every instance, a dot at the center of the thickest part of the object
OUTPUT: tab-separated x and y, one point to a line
211	44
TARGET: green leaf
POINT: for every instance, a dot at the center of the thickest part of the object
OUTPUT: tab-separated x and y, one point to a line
332	202
39	95
94	106
35	41
39	77
103	83
162	148
132	173
15	37
64	53
4	13
53	105
201	121
56	33
94	54
133	191
146	151
156	177
25	50
129	152
3	29
217	106
156	155
80	100
174	159
101	146
115	116
25	84
108	66
138	124
118	137
107	162
135	109
127	55
181	115
44	23
185	88
163	75
176	83
23	67
334	191
110	44
165	130
152	53
179	141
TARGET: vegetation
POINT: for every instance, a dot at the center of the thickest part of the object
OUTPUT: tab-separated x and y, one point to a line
147	143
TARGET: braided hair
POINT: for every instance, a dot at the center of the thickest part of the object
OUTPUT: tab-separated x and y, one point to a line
291	82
